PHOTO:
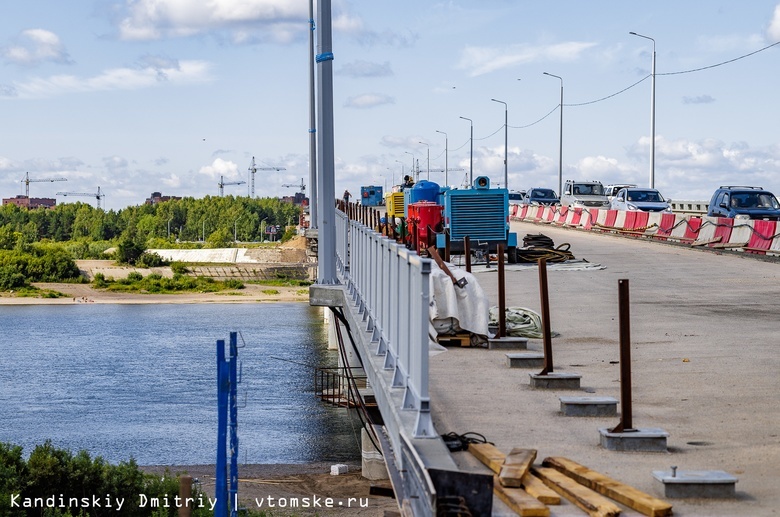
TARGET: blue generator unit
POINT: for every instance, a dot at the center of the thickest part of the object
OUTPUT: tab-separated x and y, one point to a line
482	214
371	196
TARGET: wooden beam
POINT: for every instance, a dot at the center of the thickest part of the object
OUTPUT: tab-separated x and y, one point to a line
520	502
586	499
536	487
494	459
516	465
620	492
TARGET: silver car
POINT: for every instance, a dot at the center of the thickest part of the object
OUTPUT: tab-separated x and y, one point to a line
640	199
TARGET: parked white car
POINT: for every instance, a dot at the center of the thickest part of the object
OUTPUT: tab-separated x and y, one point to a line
640	199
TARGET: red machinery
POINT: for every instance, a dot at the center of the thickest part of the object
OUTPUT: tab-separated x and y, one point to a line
423	215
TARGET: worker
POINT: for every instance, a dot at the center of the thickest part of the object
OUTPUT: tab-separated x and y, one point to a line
346	196
408	182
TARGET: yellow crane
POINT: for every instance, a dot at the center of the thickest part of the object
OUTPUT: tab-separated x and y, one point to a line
98	195
27	182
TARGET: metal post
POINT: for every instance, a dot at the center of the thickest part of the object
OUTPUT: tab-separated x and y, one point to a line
652	112
467	252
506	142
185	493
446	159
326	249
471	151
560	138
626	423
233	424
223	389
501	293
312	126
546	332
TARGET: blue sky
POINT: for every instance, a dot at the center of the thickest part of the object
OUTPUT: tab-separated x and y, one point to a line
136	96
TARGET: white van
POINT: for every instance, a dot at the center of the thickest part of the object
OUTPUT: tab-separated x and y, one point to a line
584	194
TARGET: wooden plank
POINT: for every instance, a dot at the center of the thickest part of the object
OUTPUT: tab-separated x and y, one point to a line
536	487
586	499
515	466
708	241
488	454
520	502
620	492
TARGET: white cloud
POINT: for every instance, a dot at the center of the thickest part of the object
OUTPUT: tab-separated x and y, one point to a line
155	19
147	76
35	46
773	31
220	168
368	100
483	60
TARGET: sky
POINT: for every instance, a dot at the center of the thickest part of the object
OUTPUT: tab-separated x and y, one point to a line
174	96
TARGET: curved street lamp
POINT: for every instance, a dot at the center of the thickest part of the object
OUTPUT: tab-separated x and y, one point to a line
471	151
506	140
652	112
412	169
560	140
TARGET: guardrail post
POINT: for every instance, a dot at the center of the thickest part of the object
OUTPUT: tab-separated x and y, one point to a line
626	410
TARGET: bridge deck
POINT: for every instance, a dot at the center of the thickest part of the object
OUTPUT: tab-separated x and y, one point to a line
705	365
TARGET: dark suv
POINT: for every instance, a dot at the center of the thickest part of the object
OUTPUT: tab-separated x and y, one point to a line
744	203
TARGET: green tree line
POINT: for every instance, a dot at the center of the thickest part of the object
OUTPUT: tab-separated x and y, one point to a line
213	220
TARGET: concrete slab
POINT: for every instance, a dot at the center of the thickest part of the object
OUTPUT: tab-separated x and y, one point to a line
525	360
716	484
648	439
588	406
556	380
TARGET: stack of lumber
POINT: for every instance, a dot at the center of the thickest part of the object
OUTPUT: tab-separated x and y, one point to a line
528	489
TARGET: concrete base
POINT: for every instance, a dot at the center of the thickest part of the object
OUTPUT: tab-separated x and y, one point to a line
556	380
696	483
588	406
508	343
639	440
525	360
372	463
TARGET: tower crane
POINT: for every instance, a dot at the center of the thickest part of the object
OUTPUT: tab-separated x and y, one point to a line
253	169
98	195
27	182
302	186
222	184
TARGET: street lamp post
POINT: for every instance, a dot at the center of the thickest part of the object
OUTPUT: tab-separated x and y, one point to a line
506	141
652	112
560	140
471	151
446	165
412	170
428	161
402	171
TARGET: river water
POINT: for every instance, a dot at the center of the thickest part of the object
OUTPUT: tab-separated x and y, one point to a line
139	381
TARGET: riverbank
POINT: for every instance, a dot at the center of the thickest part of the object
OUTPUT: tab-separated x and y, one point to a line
279	485
86	293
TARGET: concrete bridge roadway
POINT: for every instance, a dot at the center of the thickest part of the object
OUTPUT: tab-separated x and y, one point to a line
705	343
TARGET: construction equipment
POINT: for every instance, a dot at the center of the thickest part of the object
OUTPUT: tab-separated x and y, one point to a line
302	186
253	169
27	182
222	184
98	195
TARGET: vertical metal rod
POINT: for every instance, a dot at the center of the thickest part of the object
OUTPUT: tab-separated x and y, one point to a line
546	332
312	126
223	386
626	417
467	252
233	363
446	246
501	293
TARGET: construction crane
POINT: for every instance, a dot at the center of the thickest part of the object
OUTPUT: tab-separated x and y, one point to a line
222	184
98	195
253	169
301	186
27	182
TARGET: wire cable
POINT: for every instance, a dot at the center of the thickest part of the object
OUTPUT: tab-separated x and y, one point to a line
722	63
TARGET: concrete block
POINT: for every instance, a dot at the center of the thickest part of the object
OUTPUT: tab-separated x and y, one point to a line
338	469
525	360
649	439
715	484
556	380
372	462
588	406
508	343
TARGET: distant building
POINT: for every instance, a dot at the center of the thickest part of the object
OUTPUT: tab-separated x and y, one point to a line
157	197
30	202
298	199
